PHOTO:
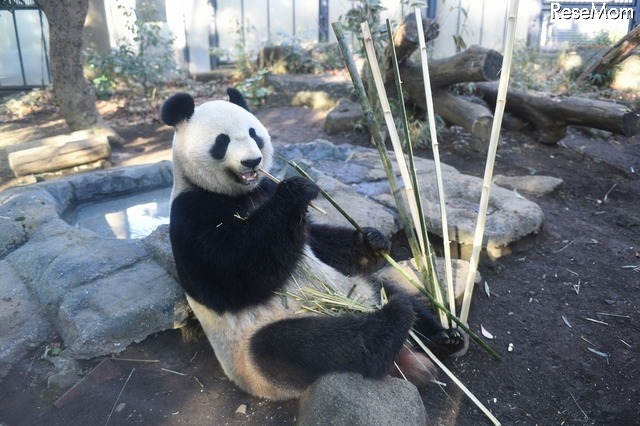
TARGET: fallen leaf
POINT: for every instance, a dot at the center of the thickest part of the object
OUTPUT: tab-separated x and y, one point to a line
485	333
597	352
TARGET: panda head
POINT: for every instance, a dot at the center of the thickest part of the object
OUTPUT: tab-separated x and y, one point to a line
218	146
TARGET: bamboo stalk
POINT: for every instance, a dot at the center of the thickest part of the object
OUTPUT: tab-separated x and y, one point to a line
491	158
399	268
432	272
448	372
436	159
443	308
393	135
374	129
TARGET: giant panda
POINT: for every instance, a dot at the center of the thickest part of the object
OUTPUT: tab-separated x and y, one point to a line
242	244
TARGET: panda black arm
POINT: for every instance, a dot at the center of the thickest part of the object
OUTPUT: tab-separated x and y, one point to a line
349	251
227	261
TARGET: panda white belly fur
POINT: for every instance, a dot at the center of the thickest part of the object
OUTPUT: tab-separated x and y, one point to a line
229	334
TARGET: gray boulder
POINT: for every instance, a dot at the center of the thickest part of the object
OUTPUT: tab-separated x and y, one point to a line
343	117
348	399
536	185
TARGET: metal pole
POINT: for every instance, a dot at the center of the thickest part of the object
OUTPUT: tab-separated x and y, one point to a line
294	17
15	27
213	35
268	21
323	20
44	46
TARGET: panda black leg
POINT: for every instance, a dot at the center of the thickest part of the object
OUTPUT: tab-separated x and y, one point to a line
441	341
297	351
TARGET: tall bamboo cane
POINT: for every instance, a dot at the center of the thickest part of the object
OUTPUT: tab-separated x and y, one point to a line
393	133
374	129
436	159
432	271
491	158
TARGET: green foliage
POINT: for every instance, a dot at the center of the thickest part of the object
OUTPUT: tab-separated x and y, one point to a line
145	63
366	11
255	87
536	69
547	70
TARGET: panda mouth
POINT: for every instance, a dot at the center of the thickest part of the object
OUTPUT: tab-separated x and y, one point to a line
248	178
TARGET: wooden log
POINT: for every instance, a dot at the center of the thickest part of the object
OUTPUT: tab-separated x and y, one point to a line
550	115
472	116
474	64
405	39
57	152
405	42
618	53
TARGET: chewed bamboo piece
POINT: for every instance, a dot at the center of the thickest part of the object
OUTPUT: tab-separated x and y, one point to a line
276	180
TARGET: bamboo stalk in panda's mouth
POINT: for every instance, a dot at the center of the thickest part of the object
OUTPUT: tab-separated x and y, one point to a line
276	180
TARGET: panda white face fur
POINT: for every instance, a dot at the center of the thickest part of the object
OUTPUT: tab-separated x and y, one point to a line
242	243
218	145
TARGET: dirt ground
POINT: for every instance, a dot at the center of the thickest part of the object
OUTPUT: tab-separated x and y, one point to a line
566	301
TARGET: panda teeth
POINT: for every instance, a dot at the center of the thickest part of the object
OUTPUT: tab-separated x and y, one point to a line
249	177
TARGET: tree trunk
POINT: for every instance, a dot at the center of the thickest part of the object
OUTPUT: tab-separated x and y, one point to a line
551	115
96	31
72	92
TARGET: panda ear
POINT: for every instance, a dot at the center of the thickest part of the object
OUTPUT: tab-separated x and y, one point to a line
236	97
177	108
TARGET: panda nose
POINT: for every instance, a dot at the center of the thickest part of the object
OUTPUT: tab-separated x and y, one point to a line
251	163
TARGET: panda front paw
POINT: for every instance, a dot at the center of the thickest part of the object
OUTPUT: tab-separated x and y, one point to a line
298	190
376	240
447	342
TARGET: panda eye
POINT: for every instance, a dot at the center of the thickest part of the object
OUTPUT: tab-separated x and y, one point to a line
255	137
219	148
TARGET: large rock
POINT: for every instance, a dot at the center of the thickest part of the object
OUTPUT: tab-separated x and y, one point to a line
23	327
12	236
343	117
99	294
536	185
364	211
348	399
127	306
510	217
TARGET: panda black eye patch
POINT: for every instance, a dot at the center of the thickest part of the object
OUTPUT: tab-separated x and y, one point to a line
255	137
219	148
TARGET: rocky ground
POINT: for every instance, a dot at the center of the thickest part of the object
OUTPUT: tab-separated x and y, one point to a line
565	301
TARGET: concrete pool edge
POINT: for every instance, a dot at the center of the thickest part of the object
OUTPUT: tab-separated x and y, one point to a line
98	294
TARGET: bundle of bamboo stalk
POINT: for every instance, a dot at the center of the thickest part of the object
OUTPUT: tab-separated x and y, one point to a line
411	210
